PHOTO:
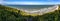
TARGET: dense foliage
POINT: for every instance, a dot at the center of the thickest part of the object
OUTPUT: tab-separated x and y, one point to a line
10	14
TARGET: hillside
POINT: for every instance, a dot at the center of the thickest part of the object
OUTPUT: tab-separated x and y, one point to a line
11	14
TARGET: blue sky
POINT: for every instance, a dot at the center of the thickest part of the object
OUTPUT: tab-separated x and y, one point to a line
31	2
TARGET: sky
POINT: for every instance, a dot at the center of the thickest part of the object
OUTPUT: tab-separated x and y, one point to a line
30	2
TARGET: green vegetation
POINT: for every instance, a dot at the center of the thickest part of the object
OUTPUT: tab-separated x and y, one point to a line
11	14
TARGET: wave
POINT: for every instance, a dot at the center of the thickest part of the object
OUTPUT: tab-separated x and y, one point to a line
41	11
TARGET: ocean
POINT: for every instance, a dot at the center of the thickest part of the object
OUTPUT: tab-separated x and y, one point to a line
30	7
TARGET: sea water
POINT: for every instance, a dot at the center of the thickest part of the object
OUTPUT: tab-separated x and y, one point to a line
30	7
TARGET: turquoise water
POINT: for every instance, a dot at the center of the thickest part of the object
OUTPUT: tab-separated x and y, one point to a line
31	6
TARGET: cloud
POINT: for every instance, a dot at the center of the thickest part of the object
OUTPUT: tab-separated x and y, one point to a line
31	3
22	3
1	1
